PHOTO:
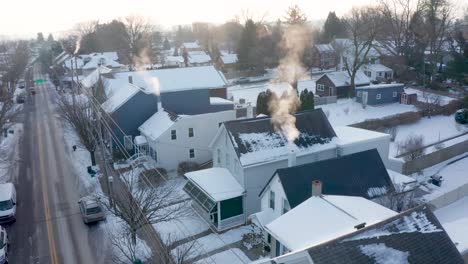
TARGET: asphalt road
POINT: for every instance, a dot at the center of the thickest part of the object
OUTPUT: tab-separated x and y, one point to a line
49	228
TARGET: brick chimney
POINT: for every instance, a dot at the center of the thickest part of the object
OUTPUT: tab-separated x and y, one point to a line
316	188
130	79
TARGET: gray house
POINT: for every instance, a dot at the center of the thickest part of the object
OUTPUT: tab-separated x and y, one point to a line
379	94
132	97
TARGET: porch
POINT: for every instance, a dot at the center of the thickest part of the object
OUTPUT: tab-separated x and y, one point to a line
217	197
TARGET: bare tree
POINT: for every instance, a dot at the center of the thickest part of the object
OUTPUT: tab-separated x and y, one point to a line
139	31
402	198
8	110
363	25
183	252
124	251
146	205
79	116
412	147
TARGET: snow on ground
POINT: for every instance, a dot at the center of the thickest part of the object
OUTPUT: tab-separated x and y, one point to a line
454	175
181	228
433	129
232	256
9	153
347	111
427	97
454	219
214	241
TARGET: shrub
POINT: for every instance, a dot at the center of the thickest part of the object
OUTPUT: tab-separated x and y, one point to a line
187	166
413	146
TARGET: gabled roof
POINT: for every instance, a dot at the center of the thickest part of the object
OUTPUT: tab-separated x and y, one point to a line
322	218
360	174
93	77
342	78
157	124
178	79
228	58
119	97
324	48
218	183
378	68
255	140
414	236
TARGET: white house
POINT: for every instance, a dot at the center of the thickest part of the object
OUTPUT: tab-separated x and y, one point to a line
181	138
252	150
378	72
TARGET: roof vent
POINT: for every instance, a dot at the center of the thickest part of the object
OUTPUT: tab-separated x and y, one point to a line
130	79
316	188
360	226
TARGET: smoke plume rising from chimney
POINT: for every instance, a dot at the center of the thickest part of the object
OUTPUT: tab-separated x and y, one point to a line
152	83
77	45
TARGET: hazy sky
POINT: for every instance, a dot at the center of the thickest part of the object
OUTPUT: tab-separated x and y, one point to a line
20	17
26	17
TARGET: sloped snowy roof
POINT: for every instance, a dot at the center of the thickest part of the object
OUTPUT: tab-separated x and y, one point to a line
93	77
218	183
341	78
100	60
414	236
219	101
351	135
70	62
378	68
119	97
157	124
324	48
179	79
229	58
381	86
404	183
263	218
140	140
322	218
111	55
256	140
198	57
191	45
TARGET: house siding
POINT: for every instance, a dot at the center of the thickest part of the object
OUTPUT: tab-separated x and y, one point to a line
324	80
175	151
386	95
187	102
133	113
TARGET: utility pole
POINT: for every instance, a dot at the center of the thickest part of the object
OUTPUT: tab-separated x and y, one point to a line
104	156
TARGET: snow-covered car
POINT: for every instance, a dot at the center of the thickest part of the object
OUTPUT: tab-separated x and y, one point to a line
4	246
461	116
91	210
7	203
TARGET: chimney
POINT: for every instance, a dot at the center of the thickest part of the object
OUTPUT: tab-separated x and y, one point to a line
160	108
316	188
130	79
250	113
291	157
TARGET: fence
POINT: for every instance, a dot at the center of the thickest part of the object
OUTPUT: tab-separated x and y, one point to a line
325	100
450	197
434	158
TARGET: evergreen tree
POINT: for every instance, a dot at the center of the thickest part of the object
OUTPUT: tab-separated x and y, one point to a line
307	100
166	44
185	55
40	37
50	38
295	16
247	45
333	28
263	101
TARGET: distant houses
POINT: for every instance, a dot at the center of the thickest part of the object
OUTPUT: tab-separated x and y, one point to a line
379	93
339	83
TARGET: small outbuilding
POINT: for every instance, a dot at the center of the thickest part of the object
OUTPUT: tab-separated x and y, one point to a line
379	94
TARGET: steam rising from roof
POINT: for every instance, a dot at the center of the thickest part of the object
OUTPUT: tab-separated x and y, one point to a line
77	45
139	61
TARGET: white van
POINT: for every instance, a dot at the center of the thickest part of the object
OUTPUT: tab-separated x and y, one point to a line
7	203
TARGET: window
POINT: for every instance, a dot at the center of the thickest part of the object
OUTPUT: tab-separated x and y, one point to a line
173	135
380	74
268	238
378	96
190	132
368	73
286	207
218	152
272	200
153	154
320	87
395	94
192	153
359	93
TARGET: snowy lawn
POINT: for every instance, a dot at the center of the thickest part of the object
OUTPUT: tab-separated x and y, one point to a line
233	256
181	228
211	242
433	129
454	175
454	218
9	153
426	97
347	111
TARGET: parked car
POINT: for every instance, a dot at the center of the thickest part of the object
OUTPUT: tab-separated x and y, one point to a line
7	203
20	98
91	210
461	116
21	83
32	90
4	246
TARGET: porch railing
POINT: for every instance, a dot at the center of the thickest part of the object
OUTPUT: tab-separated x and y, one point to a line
232	222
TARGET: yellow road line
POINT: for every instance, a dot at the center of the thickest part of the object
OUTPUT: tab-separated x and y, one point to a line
50	231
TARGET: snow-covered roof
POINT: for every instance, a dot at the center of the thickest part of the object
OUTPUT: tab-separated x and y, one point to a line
351	135
378	68
229	58
100	60
70	62
119	97
157	124
111	55
322	218
6	190
140	140
324	48
263	218
198	57
191	45
218	183
381	86
178	79
174	59
342	78
93	77
403	182
219	101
